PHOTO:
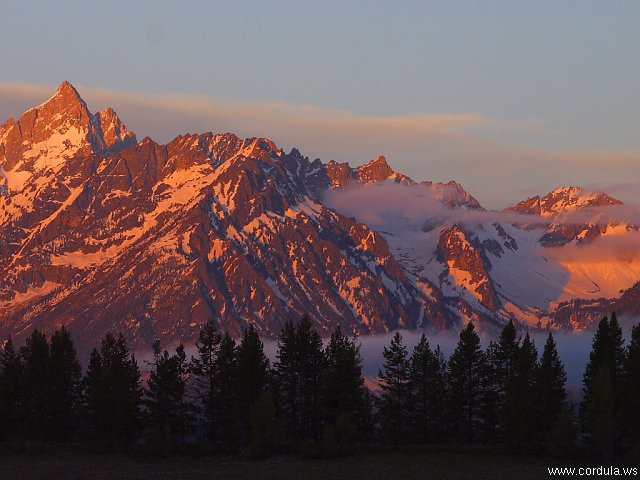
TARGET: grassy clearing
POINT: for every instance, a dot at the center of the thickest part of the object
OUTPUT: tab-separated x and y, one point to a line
408	463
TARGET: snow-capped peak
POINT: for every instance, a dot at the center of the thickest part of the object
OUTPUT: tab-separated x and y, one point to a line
564	199
58	129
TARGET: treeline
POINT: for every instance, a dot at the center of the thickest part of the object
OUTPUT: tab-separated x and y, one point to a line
313	399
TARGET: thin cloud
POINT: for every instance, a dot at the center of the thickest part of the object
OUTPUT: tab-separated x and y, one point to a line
201	113
607	249
392	206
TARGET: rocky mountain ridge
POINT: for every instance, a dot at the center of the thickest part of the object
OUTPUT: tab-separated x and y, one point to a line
101	233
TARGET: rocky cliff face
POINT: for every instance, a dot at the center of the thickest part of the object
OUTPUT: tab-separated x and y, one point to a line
57	130
99	232
153	240
562	208
467	265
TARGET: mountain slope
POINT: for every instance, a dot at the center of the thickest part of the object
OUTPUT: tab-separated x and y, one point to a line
104	233
155	239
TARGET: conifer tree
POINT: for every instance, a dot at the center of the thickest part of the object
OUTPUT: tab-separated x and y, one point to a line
601	411
298	374
35	354
440	425
65	387
618	351
501	359
344	393
427	370
468	385
251	379
166	400
312	364
550	388
265	427
203	368
113	394
505	355
631	390
225	400
394	406
287	381
561	439
602	382
597	357
520	406
11	392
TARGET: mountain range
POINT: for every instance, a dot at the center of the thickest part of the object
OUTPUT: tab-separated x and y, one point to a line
100	231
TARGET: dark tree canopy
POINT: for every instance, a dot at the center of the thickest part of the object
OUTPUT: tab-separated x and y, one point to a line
345	396
467	380
314	401
394	403
12	396
65	376
252	374
427	383
298	374
168	407
113	394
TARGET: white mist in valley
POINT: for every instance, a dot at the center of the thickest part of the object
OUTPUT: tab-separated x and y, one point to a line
573	348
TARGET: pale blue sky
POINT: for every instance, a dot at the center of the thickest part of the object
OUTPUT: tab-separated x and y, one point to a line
553	76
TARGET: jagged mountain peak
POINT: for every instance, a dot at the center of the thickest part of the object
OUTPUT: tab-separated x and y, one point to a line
162	237
380	161
60	128
564	199
67	91
65	104
452	194
559	207
154	239
376	170
112	131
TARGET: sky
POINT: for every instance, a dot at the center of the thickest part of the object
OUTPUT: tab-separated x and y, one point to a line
509	98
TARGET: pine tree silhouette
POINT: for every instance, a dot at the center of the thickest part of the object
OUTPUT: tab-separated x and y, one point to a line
298	373
113	394
550	389
394	403
204	370
35	355
265	427
165	397
251	379
65	388
287	382
427	371
600	412
468	386
631	391
501	358
521	402
225	400
345	401
12	396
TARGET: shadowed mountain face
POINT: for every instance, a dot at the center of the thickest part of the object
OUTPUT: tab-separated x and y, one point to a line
100	232
155	239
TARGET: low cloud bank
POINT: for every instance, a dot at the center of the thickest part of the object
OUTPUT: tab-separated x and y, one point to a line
380	205
384	205
611	248
573	348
